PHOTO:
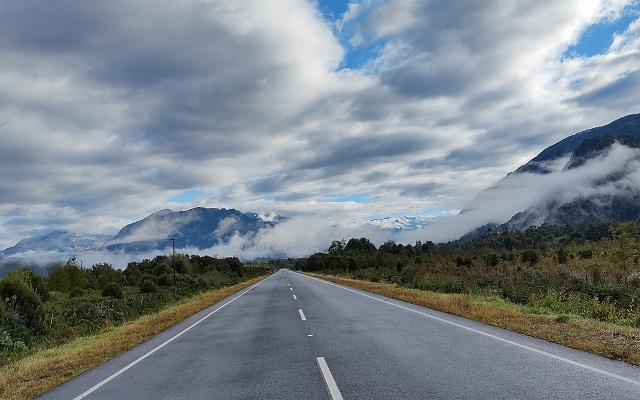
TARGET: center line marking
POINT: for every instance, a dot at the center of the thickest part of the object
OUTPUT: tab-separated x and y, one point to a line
291	288
294	297
334	392
302	317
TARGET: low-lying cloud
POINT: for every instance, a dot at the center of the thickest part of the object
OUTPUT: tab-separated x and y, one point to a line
518	192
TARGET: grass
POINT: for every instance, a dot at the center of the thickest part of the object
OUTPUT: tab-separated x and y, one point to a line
608	340
34	375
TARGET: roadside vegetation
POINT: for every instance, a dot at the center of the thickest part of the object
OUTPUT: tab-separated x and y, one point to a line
561	279
40	312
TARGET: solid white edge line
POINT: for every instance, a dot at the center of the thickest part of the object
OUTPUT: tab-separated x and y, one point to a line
522	346
302	317
334	392
123	369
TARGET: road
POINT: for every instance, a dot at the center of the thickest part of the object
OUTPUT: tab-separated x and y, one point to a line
296	337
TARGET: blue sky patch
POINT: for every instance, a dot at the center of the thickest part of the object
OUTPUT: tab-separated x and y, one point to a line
597	38
355	57
343	198
333	9
186	196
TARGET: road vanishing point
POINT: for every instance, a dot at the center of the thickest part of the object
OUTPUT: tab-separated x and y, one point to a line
291	336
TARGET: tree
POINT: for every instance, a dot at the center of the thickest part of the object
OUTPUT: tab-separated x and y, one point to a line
362	245
104	273
337	246
67	277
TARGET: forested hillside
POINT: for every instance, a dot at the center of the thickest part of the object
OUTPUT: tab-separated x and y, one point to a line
591	271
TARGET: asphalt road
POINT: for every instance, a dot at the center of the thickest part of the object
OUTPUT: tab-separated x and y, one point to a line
296	337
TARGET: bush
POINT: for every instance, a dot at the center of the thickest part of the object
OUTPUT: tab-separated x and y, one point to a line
76	292
24	301
165	280
112	290
516	294
9	344
147	286
634	279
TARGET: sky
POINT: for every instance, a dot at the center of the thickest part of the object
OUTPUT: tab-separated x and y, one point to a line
327	111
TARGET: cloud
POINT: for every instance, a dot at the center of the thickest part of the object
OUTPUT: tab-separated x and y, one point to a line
532	192
109	109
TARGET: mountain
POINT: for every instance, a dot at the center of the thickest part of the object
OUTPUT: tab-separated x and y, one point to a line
200	228
628	126
404	223
591	176
59	241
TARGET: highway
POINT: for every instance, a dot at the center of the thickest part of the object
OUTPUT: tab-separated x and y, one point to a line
296	337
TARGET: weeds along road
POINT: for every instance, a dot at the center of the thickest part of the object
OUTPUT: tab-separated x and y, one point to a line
296	337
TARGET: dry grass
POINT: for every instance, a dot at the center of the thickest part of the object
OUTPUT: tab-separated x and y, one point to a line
36	374
613	341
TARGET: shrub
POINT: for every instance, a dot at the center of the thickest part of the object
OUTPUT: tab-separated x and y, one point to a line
76	292
112	290
24	300
634	279
516	294
147	286
600	312
9	344
165	280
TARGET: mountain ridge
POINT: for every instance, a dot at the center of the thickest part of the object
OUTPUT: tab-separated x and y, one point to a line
589	177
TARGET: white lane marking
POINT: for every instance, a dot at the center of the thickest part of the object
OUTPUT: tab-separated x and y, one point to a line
294	297
291	288
334	392
123	369
489	335
302	317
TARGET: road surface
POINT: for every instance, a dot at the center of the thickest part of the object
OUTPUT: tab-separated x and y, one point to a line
295	337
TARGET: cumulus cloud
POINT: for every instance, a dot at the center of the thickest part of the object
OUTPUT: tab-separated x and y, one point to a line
109	109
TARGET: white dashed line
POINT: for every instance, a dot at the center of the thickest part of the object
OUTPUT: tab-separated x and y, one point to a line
294	297
334	392
302	317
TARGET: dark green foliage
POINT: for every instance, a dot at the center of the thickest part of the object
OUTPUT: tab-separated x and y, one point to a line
148	286
72	301
519	294
586	254
562	256
530	256
362	245
21	299
337	246
66	278
112	289
535	268
103	274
